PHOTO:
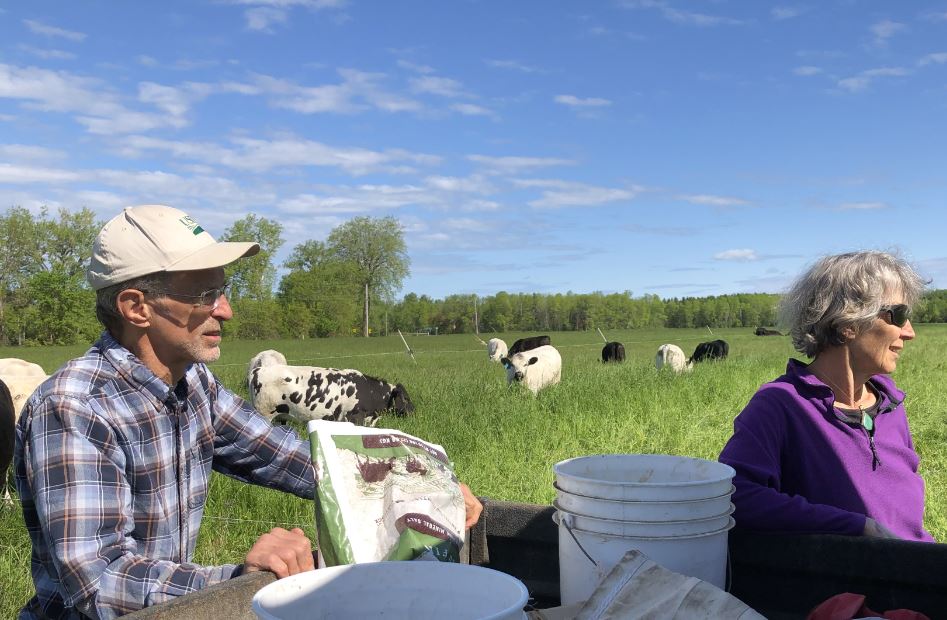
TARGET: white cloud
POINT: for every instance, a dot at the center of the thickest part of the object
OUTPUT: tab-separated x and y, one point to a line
261	19
470	109
95	106
28	152
258	155
577	102
357	92
885	29
861	81
412	66
473	184
513	65
146	61
514	164
737	255
807	70
713	201
679	16
557	193
936	58
786	12
52	31
434	85
23	175
47	54
862	206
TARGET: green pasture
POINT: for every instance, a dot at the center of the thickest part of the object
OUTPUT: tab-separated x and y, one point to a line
504	442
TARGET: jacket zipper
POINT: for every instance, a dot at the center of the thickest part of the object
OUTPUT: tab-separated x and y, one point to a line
875	461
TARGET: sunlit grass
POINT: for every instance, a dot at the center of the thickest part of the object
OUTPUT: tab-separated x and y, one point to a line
504	442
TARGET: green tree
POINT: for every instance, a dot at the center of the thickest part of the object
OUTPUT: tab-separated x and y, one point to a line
319	295
376	247
21	256
254	277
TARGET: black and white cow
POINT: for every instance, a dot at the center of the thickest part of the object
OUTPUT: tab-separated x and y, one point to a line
7	423
613	352
713	350
762	331
535	368
526	344
311	393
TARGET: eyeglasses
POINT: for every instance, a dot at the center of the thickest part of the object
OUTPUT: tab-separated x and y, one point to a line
899	313
210	297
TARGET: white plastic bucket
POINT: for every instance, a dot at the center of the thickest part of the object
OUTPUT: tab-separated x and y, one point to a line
419	590
703	556
683	510
647	529
643	477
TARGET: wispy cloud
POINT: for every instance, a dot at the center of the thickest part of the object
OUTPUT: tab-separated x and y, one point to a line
680	16
885	29
515	165
52	31
435	85
937	58
470	109
864	79
786	12
557	194
413	66
578	102
514	66
713	201
263	18
744	255
862	206
28	152
287	152
47	54
23	175
358	91
807	70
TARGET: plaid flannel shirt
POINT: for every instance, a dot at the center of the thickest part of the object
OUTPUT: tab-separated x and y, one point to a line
113	467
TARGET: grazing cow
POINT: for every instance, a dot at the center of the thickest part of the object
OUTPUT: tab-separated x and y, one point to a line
22	378
671	356
496	349
7	425
762	331
713	350
527	344
535	368
269	357
613	352
311	393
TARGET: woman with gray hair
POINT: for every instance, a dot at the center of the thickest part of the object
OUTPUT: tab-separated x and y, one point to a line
826	448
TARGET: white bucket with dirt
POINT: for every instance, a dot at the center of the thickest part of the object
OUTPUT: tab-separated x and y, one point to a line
585	558
683	510
419	590
643	477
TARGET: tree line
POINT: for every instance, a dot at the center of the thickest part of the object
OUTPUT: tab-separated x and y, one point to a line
344	286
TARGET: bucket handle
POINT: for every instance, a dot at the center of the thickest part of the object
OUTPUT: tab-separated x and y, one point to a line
566	519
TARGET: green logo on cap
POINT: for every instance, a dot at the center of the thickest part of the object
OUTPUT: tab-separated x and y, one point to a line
191	225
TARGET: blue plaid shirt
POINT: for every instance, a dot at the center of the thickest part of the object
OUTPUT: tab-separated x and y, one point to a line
113	467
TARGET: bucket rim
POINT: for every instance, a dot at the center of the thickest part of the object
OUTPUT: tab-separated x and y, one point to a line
557	471
731	523
715	498
522	600
730	509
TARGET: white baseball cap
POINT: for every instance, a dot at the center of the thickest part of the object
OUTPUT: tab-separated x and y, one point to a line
152	238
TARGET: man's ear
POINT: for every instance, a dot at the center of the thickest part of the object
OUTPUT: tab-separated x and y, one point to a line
131	305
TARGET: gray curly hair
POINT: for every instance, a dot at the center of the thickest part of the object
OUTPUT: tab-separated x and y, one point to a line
844	291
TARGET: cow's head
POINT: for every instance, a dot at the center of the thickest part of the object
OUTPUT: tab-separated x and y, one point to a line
399	401
517	365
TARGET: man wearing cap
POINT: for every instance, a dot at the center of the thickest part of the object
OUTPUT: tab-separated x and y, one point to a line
114	451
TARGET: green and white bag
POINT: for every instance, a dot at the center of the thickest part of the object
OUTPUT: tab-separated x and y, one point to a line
383	495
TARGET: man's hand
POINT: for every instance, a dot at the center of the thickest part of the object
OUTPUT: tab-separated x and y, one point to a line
281	552
873	529
472	505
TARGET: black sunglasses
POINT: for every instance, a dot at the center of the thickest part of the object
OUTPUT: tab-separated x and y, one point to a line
899	313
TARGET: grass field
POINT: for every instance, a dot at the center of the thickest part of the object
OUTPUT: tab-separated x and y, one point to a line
504	443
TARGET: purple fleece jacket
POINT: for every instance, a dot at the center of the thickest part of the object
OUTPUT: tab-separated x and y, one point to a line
800	469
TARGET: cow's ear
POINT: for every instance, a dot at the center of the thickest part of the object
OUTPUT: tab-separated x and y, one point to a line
505	361
532	361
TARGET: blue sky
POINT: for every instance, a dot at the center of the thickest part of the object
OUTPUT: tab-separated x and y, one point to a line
657	146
